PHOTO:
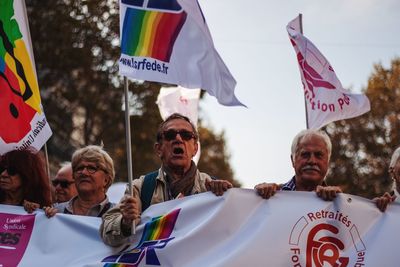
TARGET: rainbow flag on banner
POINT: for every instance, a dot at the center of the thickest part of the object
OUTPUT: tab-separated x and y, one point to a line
23	123
156	235
168	41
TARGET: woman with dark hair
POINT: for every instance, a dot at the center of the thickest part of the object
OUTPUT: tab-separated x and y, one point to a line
23	180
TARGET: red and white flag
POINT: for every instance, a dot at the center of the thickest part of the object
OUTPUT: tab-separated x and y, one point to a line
326	99
183	101
23	123
179	100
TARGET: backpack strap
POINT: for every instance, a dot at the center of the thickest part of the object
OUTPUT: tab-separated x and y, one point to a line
105	209
149	184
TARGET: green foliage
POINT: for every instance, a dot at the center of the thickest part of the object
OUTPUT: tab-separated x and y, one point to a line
362	146
76	53
213	149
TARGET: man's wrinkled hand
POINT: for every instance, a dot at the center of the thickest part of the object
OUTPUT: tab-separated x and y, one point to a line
328	193
266	190
129	207
218	187
383	201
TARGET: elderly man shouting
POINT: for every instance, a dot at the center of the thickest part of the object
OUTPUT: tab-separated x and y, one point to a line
178	177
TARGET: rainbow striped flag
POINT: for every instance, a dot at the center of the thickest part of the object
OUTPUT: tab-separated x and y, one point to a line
156	235
168	41
149	33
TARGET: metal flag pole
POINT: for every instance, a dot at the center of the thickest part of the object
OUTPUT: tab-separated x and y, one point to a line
305	100
128	137
128	144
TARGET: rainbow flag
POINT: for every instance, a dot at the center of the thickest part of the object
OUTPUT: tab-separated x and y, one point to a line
168	41
149	33
156	235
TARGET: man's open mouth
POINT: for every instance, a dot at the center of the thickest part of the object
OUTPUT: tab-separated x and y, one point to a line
178	151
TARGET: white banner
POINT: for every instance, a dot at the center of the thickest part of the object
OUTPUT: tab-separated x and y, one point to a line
169	42
23	123
326	99
237	229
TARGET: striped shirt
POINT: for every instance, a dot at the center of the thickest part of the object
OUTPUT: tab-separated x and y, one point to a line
291	185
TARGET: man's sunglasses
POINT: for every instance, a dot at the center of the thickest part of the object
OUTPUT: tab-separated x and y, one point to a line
63	183
185	135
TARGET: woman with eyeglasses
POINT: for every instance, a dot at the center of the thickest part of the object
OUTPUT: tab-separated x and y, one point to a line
93	173
23	180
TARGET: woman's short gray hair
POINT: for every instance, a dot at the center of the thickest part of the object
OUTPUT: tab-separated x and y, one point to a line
95	154
309	132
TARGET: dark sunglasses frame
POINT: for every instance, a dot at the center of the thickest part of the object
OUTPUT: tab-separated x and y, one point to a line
10	170
63	183
170	135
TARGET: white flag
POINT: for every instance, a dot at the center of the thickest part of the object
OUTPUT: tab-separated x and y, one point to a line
326	99
179	100
183	101
169	41
23	123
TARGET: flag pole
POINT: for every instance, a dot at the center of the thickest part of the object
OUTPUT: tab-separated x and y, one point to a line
128	144
128	136
46	155
305	100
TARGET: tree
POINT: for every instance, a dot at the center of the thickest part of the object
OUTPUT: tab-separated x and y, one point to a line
362	146
76	48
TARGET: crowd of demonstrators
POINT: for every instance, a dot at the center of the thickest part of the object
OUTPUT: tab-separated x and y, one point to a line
80	187
63	184
178	176
310	155
93	173
23	180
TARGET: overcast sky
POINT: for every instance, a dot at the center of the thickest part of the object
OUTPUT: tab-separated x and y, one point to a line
252	40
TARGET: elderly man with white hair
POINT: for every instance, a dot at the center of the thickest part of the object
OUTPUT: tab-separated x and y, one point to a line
311	151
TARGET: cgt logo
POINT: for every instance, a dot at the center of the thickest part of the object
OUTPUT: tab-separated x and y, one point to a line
156	235
326	238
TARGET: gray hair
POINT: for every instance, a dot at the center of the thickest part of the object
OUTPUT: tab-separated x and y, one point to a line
395	157
175	116
95	154
309	132
393	161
